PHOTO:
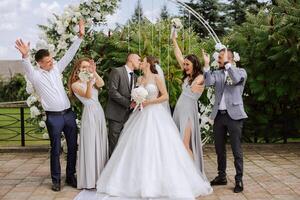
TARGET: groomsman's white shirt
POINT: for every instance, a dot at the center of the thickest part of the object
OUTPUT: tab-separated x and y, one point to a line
222	105
48	84
128	73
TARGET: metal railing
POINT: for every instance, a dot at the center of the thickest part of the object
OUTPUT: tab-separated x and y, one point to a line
13	123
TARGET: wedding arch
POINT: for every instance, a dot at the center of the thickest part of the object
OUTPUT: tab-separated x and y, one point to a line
59	33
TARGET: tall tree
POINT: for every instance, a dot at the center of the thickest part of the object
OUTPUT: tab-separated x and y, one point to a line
269	47
236	10
164	14
210	11
138	13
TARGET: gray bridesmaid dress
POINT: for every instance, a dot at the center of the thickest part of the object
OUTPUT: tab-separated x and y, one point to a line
93	141
186	113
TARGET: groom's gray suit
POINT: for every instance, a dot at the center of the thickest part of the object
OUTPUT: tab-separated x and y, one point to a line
118	105
228	117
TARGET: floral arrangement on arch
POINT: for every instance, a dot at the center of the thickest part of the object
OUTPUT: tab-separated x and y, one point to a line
57	36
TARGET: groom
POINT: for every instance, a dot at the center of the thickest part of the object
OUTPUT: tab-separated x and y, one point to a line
47	81
121	81
228	113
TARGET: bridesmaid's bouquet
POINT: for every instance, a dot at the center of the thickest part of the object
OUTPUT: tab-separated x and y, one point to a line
176	26
85	75
139	95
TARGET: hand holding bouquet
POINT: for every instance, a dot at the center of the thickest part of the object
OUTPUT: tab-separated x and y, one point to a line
139	95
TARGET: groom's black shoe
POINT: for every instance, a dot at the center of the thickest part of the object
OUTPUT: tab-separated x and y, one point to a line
239	186
219	181
71	181
55	187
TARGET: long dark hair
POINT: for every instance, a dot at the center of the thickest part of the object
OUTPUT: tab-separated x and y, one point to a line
197	68
152	61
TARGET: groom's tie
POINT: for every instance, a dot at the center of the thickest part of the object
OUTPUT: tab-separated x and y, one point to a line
131	80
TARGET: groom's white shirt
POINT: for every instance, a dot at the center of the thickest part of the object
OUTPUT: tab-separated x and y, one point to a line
222	105
48	84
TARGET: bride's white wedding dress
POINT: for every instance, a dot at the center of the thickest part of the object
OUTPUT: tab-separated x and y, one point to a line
150	161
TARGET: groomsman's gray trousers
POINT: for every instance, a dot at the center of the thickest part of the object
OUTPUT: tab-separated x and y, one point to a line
224	123
114	131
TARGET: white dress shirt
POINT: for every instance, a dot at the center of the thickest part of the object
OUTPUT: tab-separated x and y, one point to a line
222	105
128	74
48	84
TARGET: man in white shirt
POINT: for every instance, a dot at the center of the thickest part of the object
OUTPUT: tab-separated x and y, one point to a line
228	113
47	81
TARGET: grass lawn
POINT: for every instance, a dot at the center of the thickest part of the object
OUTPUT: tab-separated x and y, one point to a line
10	128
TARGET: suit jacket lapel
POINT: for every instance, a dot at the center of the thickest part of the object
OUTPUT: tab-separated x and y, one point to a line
125	76
222	80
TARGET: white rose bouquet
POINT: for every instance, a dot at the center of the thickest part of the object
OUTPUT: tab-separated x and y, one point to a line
85	75
176	26
139	95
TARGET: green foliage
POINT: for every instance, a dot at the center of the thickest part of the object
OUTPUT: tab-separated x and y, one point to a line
14	90
145	39
210	10
269	47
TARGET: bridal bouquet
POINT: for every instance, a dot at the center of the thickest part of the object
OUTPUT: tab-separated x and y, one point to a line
139	95
85	76
176	26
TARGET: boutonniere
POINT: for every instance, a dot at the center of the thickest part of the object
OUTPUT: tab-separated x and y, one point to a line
228	80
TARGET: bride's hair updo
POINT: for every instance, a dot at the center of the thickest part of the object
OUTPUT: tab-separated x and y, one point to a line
152	61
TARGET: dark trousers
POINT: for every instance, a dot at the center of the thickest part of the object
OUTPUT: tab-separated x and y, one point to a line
223	124
56	124
115	129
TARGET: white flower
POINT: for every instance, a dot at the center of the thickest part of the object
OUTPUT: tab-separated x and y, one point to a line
176	23
98	16
216	56
139	95
34	111
236	57
206	127
78	122
76	29
215	63
31	100
41	44
44	118
29	87
46	136
219	46
85	76
42	124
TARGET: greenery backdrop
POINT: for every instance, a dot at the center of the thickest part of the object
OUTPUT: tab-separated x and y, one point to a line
265	35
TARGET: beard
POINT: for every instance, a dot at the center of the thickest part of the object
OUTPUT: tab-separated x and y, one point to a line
221	66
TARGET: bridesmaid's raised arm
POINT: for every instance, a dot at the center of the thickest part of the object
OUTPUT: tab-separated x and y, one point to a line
177	51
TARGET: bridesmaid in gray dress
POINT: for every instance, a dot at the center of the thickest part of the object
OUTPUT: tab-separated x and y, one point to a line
93	144
186	110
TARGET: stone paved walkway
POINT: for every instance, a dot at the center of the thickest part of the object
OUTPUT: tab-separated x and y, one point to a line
270	173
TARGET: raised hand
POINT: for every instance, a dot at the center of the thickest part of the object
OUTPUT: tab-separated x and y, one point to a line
81	28
174	34
226	56
23	47
206	58
92	66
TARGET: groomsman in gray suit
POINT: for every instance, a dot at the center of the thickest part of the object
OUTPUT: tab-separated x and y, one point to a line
228	113
121	81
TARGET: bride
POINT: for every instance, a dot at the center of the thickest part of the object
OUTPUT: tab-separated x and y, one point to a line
150	160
